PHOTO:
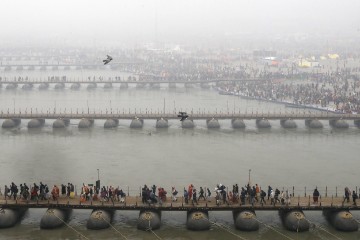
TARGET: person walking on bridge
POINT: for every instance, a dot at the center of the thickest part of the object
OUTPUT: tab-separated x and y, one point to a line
316	195
6	192
347	195
262	196
55	193
186	196
190	191
194	195
354	196
269	192
201	194
208	194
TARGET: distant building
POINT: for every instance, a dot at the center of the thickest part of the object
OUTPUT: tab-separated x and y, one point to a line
306	63
333	56
270	61
263	54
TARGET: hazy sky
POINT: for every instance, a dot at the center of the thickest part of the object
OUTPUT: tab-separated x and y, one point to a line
116	21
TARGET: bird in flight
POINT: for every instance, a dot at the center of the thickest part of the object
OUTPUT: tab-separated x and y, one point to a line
183	116
107	60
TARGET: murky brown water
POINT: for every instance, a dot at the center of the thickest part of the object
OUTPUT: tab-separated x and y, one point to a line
172	157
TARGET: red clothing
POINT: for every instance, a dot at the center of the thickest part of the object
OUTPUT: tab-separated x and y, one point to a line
190	191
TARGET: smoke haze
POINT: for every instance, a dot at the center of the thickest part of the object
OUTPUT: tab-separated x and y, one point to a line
130	23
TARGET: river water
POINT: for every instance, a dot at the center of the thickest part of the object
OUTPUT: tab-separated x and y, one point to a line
176	157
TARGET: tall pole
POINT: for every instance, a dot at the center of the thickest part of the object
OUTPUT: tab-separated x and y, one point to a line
98	174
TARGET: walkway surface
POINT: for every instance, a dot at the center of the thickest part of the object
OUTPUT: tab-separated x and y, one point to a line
134	203
148	115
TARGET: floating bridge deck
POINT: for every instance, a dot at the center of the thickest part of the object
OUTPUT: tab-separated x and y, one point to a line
113	114
134	203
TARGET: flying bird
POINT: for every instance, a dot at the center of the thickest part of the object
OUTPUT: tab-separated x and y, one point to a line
107	60
183	116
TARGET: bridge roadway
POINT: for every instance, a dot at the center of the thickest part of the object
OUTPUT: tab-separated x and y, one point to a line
134	203
141	82
64	64
195	116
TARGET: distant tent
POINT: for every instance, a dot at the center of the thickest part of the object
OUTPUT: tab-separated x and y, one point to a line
304	63
333	56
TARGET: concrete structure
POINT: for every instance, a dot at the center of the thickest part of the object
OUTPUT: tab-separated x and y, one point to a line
245	220
124	86
342	220
59	86
36	123
55	218
149	219
188	123
85	123
288	123
108	86
162	123
340	123
61	123
43	86
10	216
212	123
11	123
294	220
100	219
313	123
197	220
137	123
263	123
237	123
11	86
172	85
337	212
286	119
357	123
91	86
111	123
27	86
75	86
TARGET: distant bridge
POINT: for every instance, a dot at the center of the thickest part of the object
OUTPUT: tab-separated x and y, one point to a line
116	114
45	66
160	80
312	120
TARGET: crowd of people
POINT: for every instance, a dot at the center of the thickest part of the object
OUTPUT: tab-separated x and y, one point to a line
336	87
339	94
36	192
158	195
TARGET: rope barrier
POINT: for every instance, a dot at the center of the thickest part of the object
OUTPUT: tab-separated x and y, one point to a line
149	229
226	229
272	228
114	228
80	234
321	228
